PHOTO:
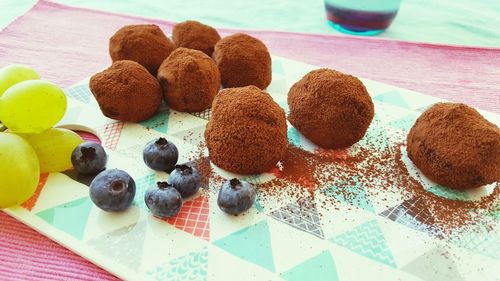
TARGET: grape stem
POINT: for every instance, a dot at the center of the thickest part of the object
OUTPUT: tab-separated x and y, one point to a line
2	127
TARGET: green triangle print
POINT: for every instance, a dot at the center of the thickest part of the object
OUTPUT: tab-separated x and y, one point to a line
69	217
367	240
193	267
393	98
142	184
159	122
352	193
278	67
404	123
448	193
252	244
293	136
319	268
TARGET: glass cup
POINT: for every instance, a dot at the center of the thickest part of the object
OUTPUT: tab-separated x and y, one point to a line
361	17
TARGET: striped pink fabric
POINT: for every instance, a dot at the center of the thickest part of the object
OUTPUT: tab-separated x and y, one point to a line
68	44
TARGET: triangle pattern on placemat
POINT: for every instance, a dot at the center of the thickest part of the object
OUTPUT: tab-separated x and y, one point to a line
159	122
436	265
193	267
293	136
302	216
481	240
252	244
79	92
30	203
448	193
193	218
112	244
393	98
70	217
205	114
319	268
110	134
367	240
413	213
404	123
142	184
352	193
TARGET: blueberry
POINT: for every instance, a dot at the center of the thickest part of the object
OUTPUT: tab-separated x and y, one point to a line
236	196
163	201
112	190
160	155
89	158
185	179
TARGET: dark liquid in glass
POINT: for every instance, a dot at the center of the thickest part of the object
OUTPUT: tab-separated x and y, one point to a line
359	21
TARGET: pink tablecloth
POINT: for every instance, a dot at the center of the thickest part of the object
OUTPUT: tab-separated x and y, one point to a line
68	44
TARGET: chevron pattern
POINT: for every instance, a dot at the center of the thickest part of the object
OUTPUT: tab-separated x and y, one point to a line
300	216
367	240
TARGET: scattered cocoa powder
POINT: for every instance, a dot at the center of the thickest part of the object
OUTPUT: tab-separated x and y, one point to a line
247	133
455	146
190	80
243	60
143	43
126	91
195	35
330	108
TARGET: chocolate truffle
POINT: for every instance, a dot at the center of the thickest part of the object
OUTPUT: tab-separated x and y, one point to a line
145	44
126	91
453	145
195	35
243	60
330	108
189	79
247	133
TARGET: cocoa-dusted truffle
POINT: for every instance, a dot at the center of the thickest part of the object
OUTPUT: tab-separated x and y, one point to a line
453	145
126	91
195	35
247	133
243	60
189	79
330	108
145	44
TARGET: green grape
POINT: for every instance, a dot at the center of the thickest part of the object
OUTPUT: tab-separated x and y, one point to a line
14	74
19	170
32	106
54	148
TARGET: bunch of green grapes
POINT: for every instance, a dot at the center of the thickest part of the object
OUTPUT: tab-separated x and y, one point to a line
29	108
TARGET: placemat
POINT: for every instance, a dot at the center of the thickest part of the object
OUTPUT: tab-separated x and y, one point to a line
67	44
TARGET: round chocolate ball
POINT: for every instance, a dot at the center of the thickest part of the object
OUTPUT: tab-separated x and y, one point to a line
247	133
145	44
330	108
453	145
190	80
195	35
243	60
126	91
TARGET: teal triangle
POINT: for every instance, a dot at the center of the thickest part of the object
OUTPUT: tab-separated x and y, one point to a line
70	217
393	98
319	268
278	67
159	122
404	123
448	193
352	193
142	184
252	244
367	240
285	107
294	136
